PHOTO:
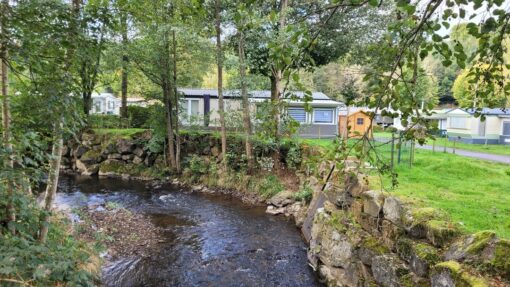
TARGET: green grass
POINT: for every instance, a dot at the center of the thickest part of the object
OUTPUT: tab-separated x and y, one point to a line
490	148
325	143
122	133
474	193
441	142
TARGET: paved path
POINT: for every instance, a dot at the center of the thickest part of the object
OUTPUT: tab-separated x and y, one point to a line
473	154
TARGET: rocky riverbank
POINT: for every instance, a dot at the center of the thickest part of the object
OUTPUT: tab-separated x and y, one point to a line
357	236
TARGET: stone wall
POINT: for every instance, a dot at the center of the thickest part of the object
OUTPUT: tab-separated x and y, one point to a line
363	237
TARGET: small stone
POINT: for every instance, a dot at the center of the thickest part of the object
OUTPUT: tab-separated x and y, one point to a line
373	202
392	209
275	211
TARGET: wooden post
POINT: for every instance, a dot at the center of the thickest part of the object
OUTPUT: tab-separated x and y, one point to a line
392	149
454	142
445	143
399	148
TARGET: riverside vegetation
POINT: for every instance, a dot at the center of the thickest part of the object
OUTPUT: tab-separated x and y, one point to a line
356	235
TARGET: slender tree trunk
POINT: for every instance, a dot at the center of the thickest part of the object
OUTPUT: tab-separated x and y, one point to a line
51	187
169	125
276	89
6	119
275	110
6	125
246	103
58	139
125	62
176	96
219	59
87	102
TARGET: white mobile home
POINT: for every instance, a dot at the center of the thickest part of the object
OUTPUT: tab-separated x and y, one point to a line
320	121
105	103
464	126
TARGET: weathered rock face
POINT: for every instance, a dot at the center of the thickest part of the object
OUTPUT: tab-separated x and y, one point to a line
91	156
367	238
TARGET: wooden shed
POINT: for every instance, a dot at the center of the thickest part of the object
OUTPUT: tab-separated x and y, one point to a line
358	123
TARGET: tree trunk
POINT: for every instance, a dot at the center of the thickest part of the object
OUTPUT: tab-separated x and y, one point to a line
87	102
221	105
6	125
169	125
275	110
51	187
246	103
6	120
125	62
176	96
276	89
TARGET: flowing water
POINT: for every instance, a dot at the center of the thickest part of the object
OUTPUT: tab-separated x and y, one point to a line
209	240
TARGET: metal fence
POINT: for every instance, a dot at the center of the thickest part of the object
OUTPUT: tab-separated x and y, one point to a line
395	150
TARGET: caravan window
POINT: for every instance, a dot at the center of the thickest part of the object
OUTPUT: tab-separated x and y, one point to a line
458	123
506	128
298	114
323	116
193	108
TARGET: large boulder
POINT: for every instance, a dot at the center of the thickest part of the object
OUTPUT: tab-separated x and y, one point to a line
389	270
451	274
139	152
91	157
420	256
282	199
87	169
125	146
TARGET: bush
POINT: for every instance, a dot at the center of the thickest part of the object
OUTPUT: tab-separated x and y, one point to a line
197	166
305	194
105	121
391	129
139	116
294	157
270	186
377	129
62	260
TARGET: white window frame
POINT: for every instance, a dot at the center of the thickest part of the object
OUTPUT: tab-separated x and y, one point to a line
503	127
298	108
188	107
333	115
451	126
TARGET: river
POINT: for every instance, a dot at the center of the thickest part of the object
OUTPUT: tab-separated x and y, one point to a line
209	240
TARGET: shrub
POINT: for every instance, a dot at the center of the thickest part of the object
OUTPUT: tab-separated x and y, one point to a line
139	116
305	194
197	166
391	129
294	157
377	129
270	186
105	121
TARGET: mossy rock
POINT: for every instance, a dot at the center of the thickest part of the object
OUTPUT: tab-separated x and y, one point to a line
420	256
501	260
415	220
455	274
91	156
440	232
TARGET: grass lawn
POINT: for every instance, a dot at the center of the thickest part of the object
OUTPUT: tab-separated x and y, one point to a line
490	148
474	193
441	142
121	133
